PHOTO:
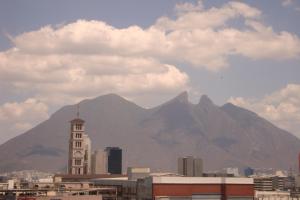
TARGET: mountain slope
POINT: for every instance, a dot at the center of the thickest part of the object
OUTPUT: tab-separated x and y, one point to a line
223	136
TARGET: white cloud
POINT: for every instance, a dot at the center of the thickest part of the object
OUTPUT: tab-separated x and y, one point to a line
198	36
189	7
16	117
281	107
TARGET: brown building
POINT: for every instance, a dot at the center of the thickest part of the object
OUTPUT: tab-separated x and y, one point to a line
200	188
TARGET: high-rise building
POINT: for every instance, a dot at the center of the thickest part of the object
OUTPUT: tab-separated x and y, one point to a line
114	160
190	166
99	162
79	148
87	154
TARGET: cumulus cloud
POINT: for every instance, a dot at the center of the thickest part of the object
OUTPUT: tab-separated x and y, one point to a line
63	64
16	117
281	107
201	37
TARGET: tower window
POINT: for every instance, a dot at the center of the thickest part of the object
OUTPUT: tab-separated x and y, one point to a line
77	161
77	144
78	126
78	135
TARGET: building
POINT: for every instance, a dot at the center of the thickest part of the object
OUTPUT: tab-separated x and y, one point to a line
274	183
114	160
200	188
190	166
273	195
99	162
263	183
79	148
87	154
249	171
135	173
234	171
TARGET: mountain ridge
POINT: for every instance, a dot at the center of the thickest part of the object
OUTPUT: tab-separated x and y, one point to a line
223	136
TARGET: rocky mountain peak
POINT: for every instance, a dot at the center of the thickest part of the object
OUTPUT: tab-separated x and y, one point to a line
182	97
205	101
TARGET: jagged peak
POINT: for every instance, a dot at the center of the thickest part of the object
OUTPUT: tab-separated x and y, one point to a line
183	97
205	100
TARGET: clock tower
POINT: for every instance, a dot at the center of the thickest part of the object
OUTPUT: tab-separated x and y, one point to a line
79	148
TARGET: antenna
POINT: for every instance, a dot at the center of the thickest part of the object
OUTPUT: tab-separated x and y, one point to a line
78	110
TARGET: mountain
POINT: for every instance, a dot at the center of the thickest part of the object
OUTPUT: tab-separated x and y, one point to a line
223	136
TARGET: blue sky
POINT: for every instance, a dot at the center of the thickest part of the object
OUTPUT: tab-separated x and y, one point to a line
245	52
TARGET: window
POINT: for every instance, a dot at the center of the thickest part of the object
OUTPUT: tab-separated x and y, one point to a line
78	126
77	144
78	135
77	161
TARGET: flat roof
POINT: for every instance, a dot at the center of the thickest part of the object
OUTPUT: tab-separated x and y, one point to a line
201	180
89	176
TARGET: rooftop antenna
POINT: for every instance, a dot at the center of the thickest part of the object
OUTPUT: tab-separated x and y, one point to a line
78	110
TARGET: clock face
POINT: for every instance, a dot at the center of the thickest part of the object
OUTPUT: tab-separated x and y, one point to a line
77	154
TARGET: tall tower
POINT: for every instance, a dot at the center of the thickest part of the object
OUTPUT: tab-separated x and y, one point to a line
79	148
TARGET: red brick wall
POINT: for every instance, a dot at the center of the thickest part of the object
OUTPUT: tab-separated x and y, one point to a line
189	189
184	189
239	190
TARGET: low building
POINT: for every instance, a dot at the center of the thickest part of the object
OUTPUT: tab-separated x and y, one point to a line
215	188
135	173
273	195
263	184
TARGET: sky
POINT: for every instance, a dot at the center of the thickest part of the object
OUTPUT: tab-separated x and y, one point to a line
59	52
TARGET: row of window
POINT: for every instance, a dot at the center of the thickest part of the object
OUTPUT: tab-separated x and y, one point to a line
78	126
78	144
77	161
78	135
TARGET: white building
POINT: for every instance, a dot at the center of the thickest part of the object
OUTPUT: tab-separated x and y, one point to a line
99	162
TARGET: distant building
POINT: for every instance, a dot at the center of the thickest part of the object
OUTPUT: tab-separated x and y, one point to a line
249	171
190	166
114	160
79	149
87	154
135	173
274	183
232	170
99	162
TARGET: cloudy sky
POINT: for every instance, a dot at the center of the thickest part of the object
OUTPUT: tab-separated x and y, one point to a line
54	53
